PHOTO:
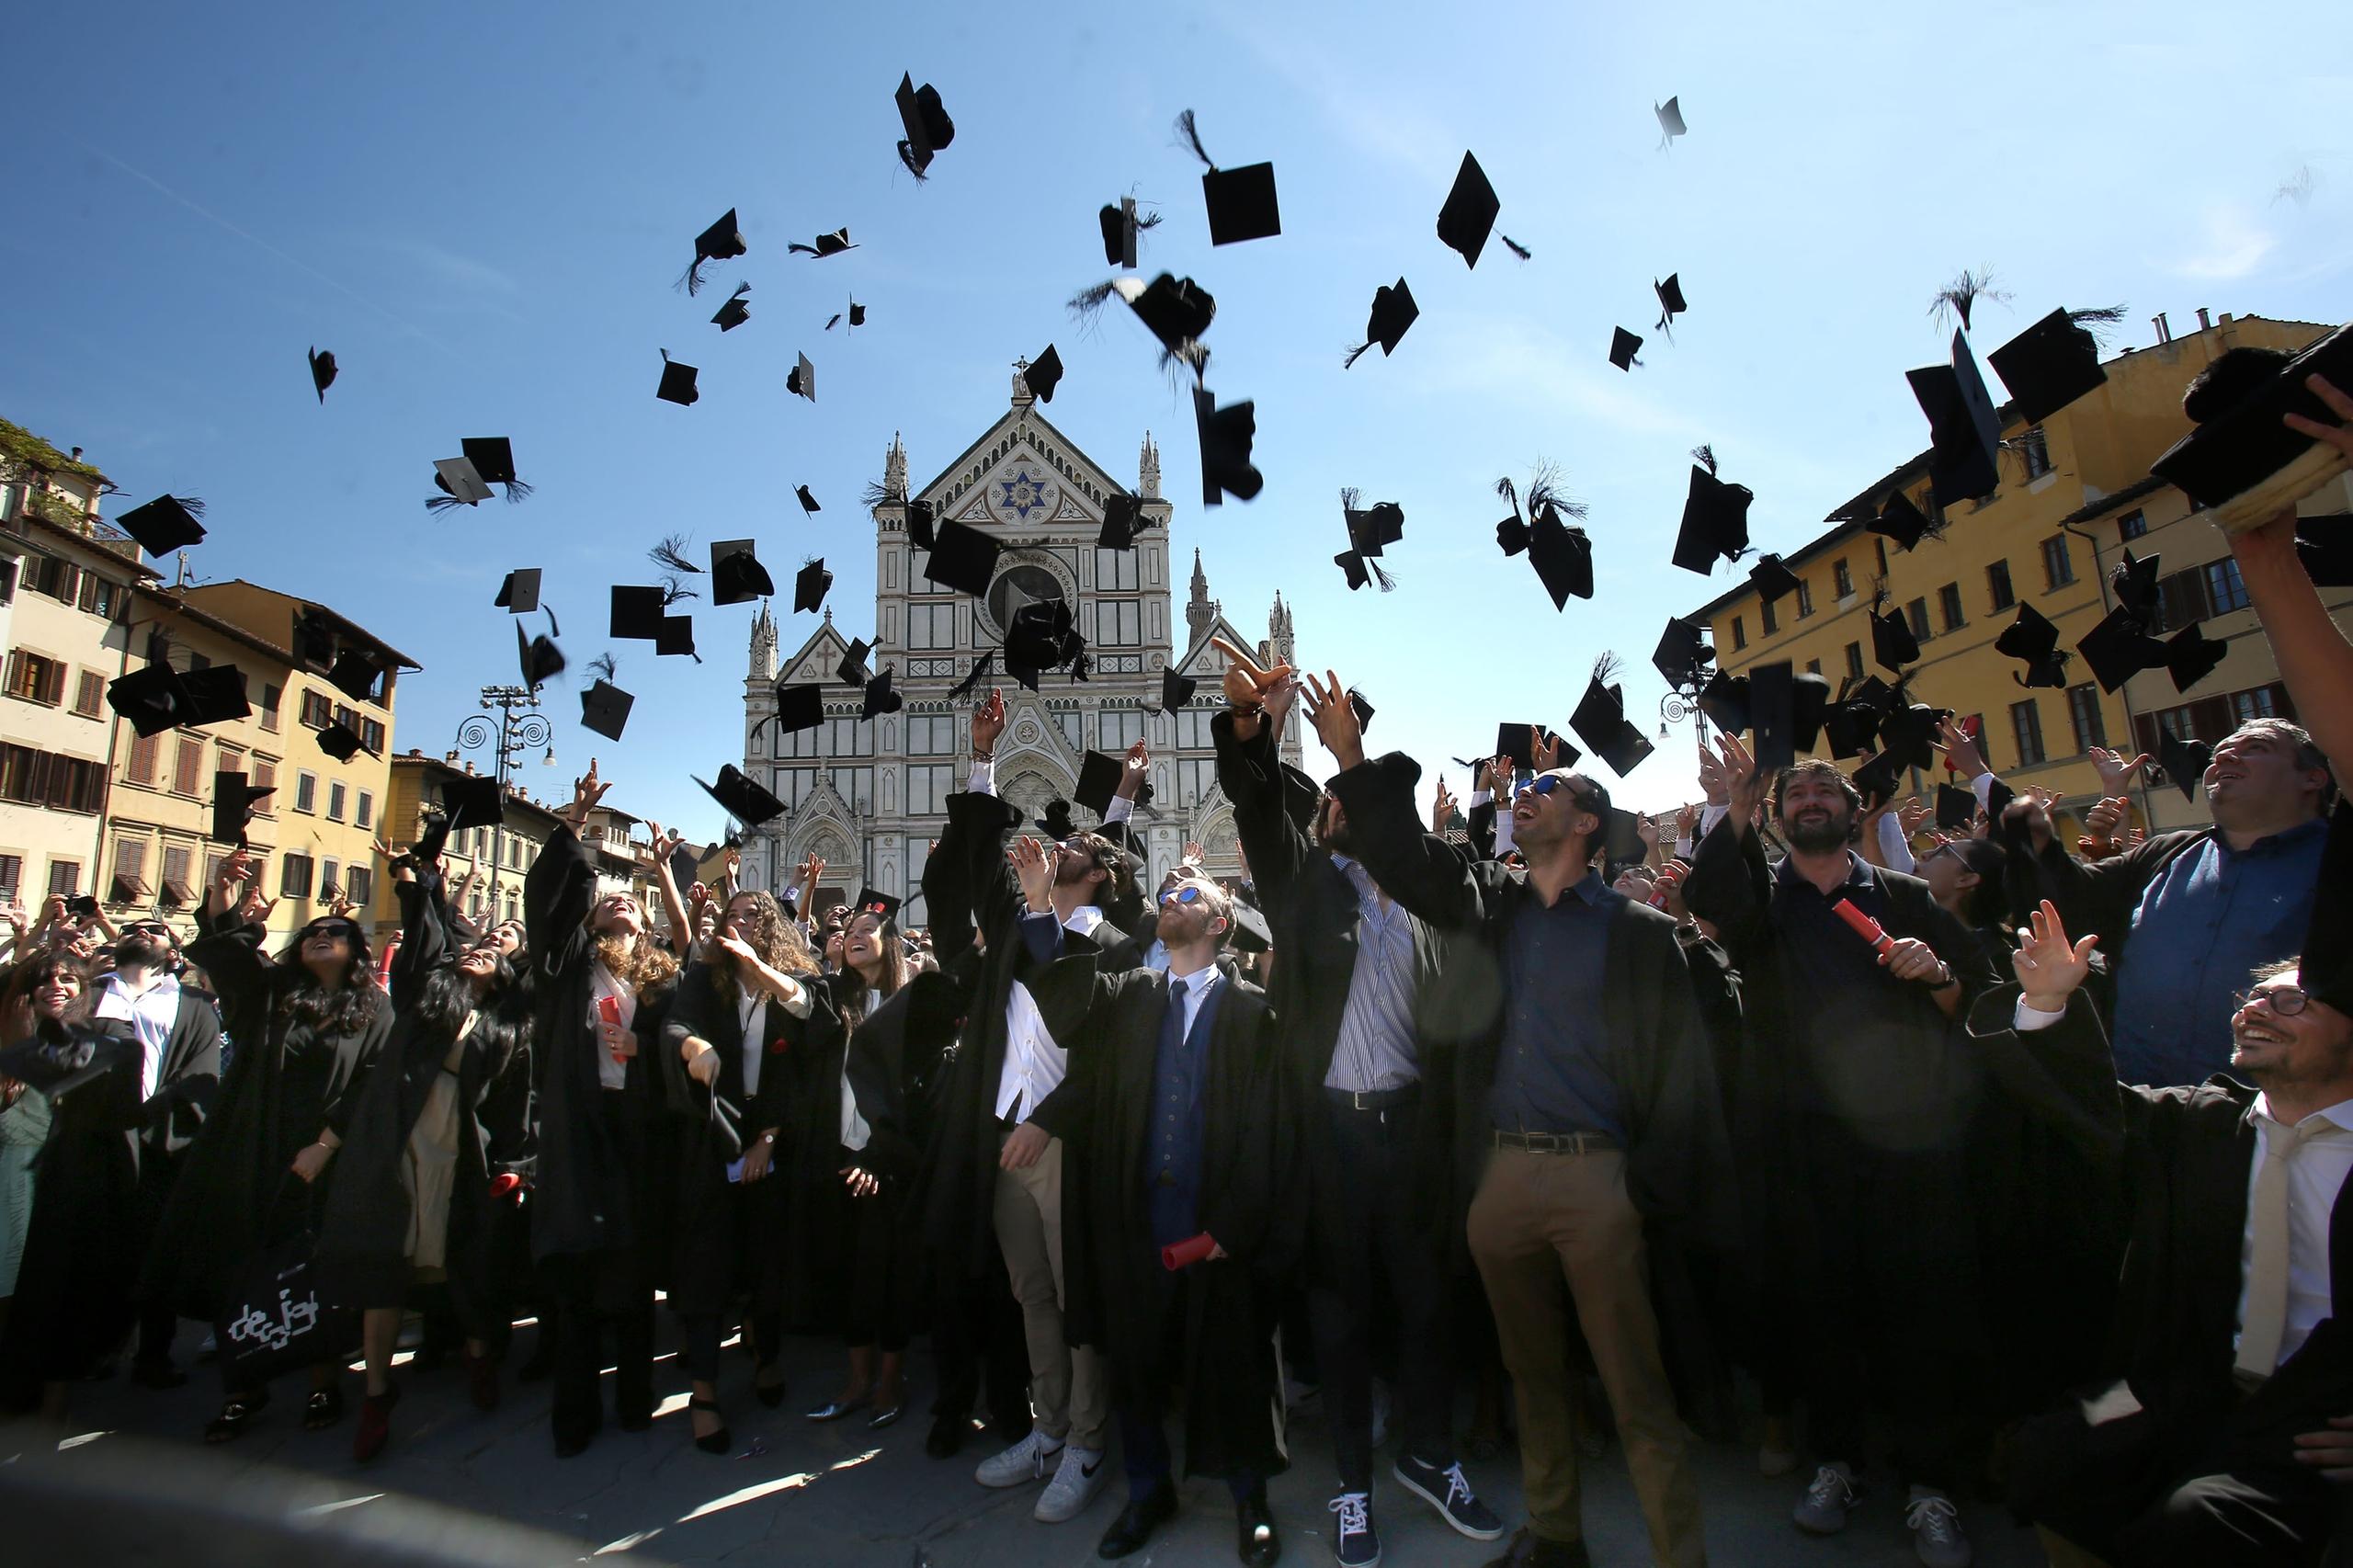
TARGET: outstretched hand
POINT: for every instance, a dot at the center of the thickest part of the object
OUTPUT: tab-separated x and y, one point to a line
1033	867
2116	770
1738	776
988	722
1244	684
1336	721
586	792
2049	967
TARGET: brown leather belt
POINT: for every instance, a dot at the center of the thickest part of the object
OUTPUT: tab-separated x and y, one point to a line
1555	1142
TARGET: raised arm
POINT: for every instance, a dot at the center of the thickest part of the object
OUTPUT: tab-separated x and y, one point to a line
1728	885
561	887
2315	660
655	860
1424	873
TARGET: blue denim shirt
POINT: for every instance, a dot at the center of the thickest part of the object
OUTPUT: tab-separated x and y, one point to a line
2203	927
1552	1072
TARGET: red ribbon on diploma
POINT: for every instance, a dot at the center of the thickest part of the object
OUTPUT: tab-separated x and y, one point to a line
1176	1257
1865	926
507	1184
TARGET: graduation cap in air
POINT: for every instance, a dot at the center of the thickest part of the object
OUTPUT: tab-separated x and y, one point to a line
355	675
1670	301
1024	674
470	801
678	383
1955	807
1715	517
2119	648
800	708
1464	222
1724	699
857	317
215	694
736	575
165	524
339	742
519	593
2051	364
1362	706
491	458
962	558
2191	656
459	483
1670	120
2185	762
1226	434
2135	582
810	586
721	241
2241	459
322	371
802	379
1908	733
1892	645
1098	779
1561	555
1601	724
1043	374
925	121
232	807
922	524
1518	741
2034	641
853	670
1042	636
1055	822
741	798
874	900
604	707
1370	530
1122	520
825	244
1964	432
1772	579
1901	519
734	312
1623	346
1241	201
1772	712
314	640
1121	224
1681	655
1177	311
1393	312
1175	690
540	659
809	507
151	699
1879	780
983	667
1251	933
638	612
880	699
1849	727
2324	545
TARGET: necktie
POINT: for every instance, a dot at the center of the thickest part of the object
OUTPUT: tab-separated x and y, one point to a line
2266	1277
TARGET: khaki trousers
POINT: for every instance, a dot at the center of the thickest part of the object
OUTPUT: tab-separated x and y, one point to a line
1069	1396
1538	1222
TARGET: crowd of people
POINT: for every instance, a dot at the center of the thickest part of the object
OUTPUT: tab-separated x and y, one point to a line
1962	1162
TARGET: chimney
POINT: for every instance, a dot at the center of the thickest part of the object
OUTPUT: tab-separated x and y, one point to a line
2204	320
2165	333
77	454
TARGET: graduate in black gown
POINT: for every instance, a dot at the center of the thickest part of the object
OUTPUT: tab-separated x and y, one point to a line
1192	1148
604	1173
308	1025
736	1054
412	1202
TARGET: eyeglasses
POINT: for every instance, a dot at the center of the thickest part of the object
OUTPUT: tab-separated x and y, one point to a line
147	929
1187	894
1546	783
342	928
2285	1000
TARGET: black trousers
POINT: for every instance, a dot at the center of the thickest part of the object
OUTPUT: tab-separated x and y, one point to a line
581	1318
698	1347
977	1336
876	1310
158	1324
1360	1219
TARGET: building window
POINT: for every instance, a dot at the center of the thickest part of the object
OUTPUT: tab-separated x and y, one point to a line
360	884
929	784
329	887
2026	726
140	767
2131	526
366	813
2036	449
188	766
336	797
1916	614
850	737
2058	565
931	626
1072	724
1854	661
264	777
931	735
919	562
371	735
1844	578
1119	729
130	864
1879	547
179	878
294	876
1193	728
1739	634
1805	598
99	596
2257	704
58	579
1813	667
2181	601
269	699
317	711
1118	623
12	878
1949	606
64	877
306	792
1195	777
35	678
1997	586
90	696
1115	570
43	778
2082	710
2224	589
1769	617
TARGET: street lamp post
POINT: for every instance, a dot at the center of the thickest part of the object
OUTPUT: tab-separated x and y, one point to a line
518	728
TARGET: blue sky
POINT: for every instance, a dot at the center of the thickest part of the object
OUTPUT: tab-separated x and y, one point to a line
481	209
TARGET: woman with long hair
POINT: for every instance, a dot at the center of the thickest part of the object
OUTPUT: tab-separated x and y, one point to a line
412	1202
740	1035
308	1025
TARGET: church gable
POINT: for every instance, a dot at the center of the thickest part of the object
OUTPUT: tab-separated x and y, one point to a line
1022	471
1204	662
817	660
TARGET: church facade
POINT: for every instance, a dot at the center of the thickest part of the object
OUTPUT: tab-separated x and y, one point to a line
870	796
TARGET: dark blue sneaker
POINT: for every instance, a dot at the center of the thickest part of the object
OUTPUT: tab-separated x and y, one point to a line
1354	1544
1446	1490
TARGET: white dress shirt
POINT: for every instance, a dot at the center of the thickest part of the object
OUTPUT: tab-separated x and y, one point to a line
1198	986
752	1016
152	1013
611	1073
1504	841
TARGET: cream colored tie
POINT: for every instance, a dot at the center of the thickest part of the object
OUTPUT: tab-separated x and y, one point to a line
2267	1280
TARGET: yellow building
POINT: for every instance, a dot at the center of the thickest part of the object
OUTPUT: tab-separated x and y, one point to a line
2045	537
496	860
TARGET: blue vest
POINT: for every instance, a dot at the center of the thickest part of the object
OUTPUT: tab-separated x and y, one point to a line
1172	1151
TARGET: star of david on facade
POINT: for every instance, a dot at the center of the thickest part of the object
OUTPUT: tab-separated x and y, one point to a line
1024	494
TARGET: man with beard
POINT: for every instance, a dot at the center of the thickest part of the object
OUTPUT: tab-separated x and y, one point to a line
1356	989
1864	1190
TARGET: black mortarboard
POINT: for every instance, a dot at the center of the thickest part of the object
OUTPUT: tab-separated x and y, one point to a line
1042	636
2048	365
874	900
741	798
1670	120
232	807
826	245
1892	645
1044	373
2326	547
1370	530
880	699
338	742
1251	932
808	507
494	462
2185	762
1963	434
734	312
1601	724
637	612
2191	656
736	575
1715	521
853	669
1393	312
1850	728
355	675
1809	706
314	640
540	659
676	635
521	591
165	524
1119	227
678	383
1681	656
1772	700
1055	822
1901	519
1518	741
1623	346
721	241
802	379
604	707
1025	675
1771	578
1955	807
1879	780
810	586
921	524
2034	643
1175	690
925	121
1469	212
322	370
1226	437
1561	555
1122	517
216	694
459	485
2135	582
962	558
1511	534
1724	699
2237	405
980	670
151	699
1670	300
1622	837
2326	969
2117	649
470	801
1177	311
1098	779
1907	732
1362	706
800	708
1241	201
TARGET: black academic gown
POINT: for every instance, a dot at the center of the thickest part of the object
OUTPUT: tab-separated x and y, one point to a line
1223	1353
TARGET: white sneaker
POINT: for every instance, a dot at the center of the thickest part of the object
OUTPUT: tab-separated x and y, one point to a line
1935	1523
1032	1458
1822	1509
1077	1480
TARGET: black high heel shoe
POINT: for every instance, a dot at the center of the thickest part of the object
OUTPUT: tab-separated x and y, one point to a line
716	1442
769	1394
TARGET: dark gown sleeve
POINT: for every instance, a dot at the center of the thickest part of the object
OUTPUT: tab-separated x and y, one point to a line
176	1113
1729	887
425	935
231	957
356	1055
1480	822
1251	774
558	891
1431	877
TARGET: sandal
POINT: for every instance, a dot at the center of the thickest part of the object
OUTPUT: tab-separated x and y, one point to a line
714	1442
322	1409
236	1413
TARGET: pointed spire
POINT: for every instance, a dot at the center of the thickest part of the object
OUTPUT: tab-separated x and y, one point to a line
1200	610
894	470
1148	470
763	661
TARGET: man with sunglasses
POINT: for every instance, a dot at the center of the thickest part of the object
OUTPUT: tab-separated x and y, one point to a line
178	1033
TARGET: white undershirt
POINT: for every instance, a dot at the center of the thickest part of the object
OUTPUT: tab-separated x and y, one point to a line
152	1013
611	1073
